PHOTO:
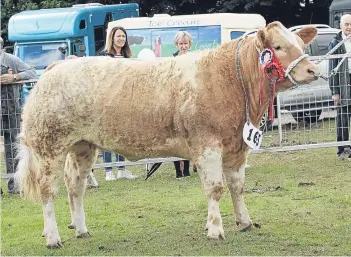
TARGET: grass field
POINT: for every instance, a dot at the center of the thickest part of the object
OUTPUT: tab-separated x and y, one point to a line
302	200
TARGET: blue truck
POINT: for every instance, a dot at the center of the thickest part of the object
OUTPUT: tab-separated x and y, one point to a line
47	35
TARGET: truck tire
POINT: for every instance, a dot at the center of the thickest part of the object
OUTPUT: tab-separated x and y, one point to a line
307	116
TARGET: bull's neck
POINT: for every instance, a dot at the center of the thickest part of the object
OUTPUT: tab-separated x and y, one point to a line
250	72
249	57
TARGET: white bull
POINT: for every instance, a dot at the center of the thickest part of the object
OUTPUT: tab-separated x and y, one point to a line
191	106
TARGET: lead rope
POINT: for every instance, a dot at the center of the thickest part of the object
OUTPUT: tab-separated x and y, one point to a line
335	47
334	71
241	80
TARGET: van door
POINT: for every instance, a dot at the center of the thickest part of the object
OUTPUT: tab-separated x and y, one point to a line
97	31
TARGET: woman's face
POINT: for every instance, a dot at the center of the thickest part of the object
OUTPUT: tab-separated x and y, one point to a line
119	39
183	45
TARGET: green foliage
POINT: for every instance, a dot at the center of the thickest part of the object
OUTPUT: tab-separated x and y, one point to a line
10	7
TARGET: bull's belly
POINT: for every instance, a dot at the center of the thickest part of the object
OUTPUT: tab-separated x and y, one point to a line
140	147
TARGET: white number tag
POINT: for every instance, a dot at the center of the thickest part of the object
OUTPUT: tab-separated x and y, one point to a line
252	136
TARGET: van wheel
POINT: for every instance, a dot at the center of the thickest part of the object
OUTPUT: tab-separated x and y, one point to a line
265	124
307	116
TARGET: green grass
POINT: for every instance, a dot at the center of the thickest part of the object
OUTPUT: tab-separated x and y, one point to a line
164	216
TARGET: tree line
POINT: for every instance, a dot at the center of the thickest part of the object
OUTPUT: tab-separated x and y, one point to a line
289	12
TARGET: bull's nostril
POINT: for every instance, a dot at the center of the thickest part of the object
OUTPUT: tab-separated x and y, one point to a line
311	72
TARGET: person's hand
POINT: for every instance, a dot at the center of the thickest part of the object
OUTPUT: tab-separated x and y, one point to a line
336	99
7	79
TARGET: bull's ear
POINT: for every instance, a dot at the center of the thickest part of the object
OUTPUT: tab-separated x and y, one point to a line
307	34
262	37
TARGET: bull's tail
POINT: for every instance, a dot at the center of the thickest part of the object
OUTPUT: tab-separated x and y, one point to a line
28	172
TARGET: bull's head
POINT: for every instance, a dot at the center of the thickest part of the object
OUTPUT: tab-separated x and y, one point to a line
287	51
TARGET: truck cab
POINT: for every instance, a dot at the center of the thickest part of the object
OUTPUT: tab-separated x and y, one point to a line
47	35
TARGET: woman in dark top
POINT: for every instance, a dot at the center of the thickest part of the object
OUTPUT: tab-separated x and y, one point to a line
117	47
117	44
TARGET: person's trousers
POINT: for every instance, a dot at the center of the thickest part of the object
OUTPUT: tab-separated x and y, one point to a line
343	126
179	171
10	126
107	157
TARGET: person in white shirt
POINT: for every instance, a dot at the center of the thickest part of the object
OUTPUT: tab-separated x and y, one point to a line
340	86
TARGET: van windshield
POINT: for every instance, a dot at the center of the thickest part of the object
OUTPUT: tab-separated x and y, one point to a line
42	55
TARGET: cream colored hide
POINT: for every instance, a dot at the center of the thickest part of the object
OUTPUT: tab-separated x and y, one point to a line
191	106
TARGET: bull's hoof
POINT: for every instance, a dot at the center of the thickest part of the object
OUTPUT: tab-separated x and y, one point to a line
207	226
247	228
56	245
83	235
71	226
215	233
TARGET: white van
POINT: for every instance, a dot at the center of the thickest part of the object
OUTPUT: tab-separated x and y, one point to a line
207	30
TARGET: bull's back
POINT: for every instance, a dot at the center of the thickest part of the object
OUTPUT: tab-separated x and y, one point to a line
114	103
137	106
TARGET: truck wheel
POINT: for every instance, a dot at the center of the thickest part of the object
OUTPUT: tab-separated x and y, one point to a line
307	116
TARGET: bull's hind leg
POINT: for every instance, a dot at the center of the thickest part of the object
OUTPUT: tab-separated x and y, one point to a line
210	170
236	180
79	162
48	184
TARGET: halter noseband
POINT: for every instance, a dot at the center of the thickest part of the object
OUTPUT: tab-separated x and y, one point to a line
273	70
291	66
274	65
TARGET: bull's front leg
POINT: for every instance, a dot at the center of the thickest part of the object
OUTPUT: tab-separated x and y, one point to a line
236	180
210	170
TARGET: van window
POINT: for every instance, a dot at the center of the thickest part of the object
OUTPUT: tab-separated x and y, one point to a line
323	41
82	24
236	34
99	36
161	40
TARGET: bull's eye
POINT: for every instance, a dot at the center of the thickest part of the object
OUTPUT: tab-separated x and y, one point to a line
277	48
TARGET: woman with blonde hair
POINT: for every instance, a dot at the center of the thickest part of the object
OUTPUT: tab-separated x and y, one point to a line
183	41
